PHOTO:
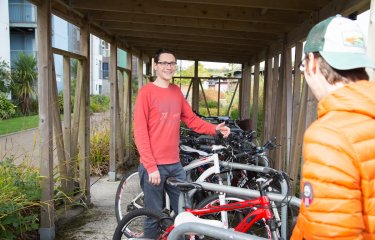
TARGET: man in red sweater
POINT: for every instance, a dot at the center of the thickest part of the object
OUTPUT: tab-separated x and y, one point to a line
159	108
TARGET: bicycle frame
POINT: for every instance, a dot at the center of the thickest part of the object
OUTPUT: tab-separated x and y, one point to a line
262	211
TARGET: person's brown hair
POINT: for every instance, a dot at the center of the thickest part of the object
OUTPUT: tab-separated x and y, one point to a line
161	51
335	75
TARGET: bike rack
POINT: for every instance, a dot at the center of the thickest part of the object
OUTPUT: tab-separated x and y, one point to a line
210	231
252	193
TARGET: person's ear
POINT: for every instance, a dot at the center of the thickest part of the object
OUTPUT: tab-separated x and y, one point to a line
311	64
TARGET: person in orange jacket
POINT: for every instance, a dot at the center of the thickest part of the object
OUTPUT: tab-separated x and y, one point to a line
338	175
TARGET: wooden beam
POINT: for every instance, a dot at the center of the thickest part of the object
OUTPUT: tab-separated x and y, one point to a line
191	10
330	9
190	31
76	116
202	56
58	133
183	21
68	121
67	54
197	39
47	225
201	50
190	45
270	4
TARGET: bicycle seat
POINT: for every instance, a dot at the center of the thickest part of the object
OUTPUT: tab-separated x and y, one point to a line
183	185
187	217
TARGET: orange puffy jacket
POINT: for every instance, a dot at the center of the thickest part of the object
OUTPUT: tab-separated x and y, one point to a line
338	176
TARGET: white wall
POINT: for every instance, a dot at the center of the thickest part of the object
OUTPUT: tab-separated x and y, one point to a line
96	58
4	31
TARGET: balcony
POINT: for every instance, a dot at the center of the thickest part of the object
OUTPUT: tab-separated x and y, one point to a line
22	13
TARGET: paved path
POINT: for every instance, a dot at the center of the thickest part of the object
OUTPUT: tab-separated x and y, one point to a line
22	146
97	223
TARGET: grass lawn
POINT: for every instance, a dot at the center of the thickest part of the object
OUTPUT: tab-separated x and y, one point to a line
18	124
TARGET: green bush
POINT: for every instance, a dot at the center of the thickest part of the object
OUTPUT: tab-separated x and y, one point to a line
99	152
19	200
7	108
99	103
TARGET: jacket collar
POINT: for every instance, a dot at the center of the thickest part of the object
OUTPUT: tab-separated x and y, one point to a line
357	97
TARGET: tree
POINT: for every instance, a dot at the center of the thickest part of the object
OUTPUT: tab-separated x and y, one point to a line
24	77
5	77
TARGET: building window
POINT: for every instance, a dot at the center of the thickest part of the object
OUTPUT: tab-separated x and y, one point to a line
105	70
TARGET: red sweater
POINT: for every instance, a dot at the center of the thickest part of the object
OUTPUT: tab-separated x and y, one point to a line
157	116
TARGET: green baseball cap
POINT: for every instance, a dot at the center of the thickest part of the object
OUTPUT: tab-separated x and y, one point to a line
340	42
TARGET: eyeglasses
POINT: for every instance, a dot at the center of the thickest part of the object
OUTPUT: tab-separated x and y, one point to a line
165	64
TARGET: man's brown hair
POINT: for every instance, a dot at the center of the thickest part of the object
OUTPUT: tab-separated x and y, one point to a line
335	75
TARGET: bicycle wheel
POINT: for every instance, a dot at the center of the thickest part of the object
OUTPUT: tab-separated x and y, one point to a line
132	224
260	228
129	195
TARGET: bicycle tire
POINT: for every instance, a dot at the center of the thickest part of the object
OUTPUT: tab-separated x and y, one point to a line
260	229
128	189
131	225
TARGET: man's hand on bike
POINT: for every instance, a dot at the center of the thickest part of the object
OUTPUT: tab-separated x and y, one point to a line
223	129
154	178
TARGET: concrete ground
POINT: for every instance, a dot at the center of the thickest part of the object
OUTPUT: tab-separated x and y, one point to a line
99	222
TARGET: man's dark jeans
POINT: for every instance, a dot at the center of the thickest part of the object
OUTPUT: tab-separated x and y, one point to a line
154	195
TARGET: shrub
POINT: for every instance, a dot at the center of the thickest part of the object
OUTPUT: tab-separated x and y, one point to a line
99	103
7	109
5	77
99	152
19	200
24	78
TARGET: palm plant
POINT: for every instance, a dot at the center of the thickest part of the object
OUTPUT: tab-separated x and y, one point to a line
24	76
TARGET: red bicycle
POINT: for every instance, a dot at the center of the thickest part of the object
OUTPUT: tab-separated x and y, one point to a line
253	216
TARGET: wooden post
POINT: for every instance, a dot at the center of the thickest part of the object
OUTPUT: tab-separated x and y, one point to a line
218	99
279	114
113	111
140	72
288	90
371	39
268	84
296	160
254	120
296	105
128	91
275	86
84	118
122	110
119	141
195	101
47	215
245	89
67	121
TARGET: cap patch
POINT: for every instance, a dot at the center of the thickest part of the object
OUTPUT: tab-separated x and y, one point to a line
353	39
307	195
